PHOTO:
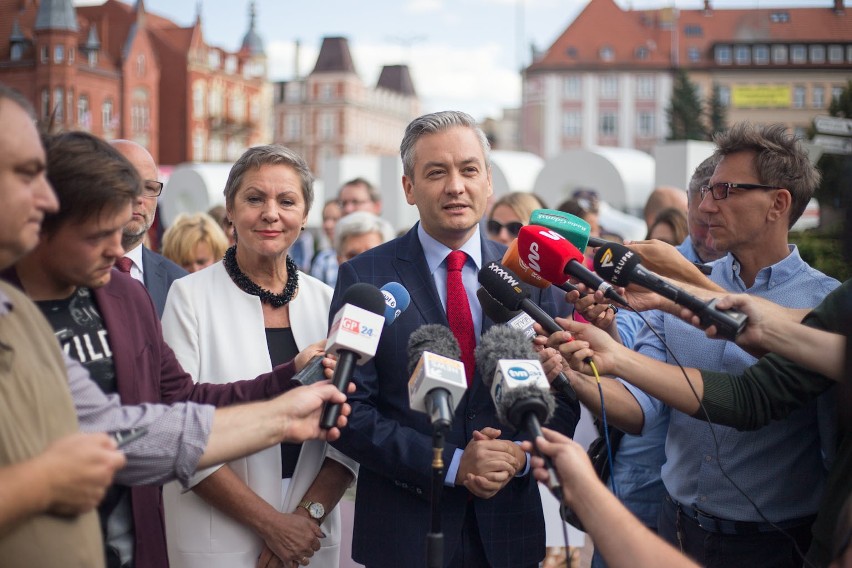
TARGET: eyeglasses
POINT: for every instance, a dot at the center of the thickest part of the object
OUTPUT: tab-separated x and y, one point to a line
720	190
494	227
152	188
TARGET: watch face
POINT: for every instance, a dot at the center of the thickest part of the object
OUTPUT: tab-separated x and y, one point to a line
316	510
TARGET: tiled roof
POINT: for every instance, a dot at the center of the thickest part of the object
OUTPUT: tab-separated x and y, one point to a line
644	38
397	78
334	56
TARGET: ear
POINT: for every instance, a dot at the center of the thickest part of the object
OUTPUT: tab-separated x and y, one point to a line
780	206
408	188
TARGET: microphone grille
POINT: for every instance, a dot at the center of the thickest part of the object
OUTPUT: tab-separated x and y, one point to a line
516	403
500	342
365	296
494	309
435	338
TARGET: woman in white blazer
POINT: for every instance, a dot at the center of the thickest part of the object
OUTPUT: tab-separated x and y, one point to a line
238	318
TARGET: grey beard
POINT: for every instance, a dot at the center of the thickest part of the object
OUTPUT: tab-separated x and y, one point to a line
129	241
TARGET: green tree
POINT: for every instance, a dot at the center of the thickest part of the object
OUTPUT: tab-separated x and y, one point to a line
685	110
833	191
716	113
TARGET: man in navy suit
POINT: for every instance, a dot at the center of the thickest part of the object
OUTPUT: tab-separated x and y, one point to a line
491	510
155	271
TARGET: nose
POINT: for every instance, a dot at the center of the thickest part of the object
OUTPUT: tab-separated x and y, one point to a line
706	204
270	213
114	249
455	184
45	197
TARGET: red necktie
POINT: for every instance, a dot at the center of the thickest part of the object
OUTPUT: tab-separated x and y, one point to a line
123	263
458	311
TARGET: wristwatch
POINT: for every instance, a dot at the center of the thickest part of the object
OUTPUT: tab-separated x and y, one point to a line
314	509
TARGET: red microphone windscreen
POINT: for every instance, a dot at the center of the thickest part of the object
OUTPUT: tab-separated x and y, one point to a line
513	262
546	252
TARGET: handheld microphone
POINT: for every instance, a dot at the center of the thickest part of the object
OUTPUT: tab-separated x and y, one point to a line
505	287
353	337
397	299
519	388
512	261
573	228
438	381
524	323
554	258
622	266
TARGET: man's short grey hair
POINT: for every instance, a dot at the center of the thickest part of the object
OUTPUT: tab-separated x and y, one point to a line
780	160
702	174
269	155
361	223
438	122
8	93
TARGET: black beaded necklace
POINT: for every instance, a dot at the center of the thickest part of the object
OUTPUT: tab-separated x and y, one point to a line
245	283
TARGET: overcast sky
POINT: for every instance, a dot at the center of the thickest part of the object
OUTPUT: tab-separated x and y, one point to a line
463	54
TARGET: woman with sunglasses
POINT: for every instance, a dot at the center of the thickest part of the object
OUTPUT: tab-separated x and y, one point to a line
510	213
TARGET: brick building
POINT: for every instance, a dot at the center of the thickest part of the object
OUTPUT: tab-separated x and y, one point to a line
331	112
121	72
607	79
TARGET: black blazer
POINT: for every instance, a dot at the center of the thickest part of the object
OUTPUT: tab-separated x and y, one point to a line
159	272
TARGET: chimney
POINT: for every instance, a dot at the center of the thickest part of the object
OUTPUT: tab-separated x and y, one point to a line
296	52
838	6
708	9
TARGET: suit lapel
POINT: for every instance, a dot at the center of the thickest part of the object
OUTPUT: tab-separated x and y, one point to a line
410	265
109	303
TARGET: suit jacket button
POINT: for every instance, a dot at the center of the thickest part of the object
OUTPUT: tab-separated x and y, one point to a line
471	415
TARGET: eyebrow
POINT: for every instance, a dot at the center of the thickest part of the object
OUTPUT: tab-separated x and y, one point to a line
442	164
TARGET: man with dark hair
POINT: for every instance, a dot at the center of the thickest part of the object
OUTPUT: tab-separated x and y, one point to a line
729	492
106	321
155	271
359	195
490	508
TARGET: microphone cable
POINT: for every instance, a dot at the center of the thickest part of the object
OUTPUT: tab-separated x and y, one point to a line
605	429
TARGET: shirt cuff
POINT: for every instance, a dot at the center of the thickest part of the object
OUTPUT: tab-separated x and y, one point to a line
453	470
526	467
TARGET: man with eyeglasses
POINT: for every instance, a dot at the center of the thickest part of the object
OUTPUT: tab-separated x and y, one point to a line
731	493
155	271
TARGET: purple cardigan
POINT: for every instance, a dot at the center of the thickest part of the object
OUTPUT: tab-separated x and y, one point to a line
147	370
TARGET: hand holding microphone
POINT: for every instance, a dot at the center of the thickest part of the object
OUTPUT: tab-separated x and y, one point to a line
354	337
622	266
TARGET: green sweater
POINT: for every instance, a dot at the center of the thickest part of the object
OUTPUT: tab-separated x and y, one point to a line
774	387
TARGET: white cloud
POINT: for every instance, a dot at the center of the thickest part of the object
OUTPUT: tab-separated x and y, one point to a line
424	6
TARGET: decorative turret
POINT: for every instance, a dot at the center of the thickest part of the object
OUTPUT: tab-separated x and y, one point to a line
56	15
251	41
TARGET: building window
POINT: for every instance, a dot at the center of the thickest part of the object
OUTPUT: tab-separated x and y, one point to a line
140	65
327	126
742	54
106	115
84	120
645	124
761	54
817	54
835	54
230	66
694	54
58	104
645	87
292	127
642	53
798	54
198	146
798	96
609	87
818	97
16	52
723	54
70	102
326	92
237	106
609	124
216	149
779	54
293	93
214	100
724	95
835	93
607	53
92	58
693	31
58	53
254	109
44	54
214	59
779	17
45	103
572	125
849	53
572	87
199	95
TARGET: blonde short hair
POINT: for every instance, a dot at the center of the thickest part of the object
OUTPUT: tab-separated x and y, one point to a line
180	239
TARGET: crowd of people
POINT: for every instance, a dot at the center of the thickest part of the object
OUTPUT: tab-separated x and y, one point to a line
100	335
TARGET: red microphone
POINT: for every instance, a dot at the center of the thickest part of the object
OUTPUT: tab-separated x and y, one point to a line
512	261
554	258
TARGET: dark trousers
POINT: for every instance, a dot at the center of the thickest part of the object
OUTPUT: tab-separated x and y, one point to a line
471	552
718	550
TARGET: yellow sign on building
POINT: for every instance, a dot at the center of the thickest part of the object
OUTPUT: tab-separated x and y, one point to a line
761	96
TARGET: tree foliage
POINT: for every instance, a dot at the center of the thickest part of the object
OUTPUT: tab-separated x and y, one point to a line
716	113
685	110
833	191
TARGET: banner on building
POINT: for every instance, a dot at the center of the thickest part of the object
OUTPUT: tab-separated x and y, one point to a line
760	96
